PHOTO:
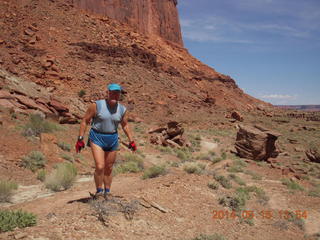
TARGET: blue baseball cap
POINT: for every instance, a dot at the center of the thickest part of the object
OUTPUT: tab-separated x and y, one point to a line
114	87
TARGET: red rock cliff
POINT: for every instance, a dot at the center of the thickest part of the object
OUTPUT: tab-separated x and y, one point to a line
159	17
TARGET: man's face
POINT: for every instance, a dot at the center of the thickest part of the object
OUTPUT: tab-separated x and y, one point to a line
114	96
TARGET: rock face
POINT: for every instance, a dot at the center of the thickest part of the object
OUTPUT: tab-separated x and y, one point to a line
256	143
158	17
313	155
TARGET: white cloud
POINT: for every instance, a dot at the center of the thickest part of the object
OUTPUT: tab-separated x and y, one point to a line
279	96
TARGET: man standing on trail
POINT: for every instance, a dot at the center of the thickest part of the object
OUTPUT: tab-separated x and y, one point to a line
105	114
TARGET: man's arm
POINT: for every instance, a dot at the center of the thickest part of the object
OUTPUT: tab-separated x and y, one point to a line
91	112
126	128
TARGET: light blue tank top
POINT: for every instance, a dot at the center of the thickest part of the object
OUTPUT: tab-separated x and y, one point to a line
107	119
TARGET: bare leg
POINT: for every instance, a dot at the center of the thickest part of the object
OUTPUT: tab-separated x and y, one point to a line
98	155
110	158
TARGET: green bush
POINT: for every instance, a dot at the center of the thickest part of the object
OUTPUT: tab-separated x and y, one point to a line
154	171
299	222
195	142
223	181
253	175
213	185
37	125
183	154
67	157
6	190
259	193
165	149
236	202
64	146
9	220
315	192
41	175
237	179
193	168
62	177
209	237
34	161
292	185
133	163
81	93
237	166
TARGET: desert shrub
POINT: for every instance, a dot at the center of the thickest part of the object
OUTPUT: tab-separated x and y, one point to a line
67	157
81	93
41	175
165	149
183	154
237	166
9	220
154	171
292	185
34	161
195	142
259	193
193	168
315	192
133	163
6	190
223	181
299	222
174	164
210	156
37	125
237	179
209	237
213	185
253	175
236	202
223	155
62	177
207	156
64	146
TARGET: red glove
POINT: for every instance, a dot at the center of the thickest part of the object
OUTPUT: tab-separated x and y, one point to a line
132	146
79	145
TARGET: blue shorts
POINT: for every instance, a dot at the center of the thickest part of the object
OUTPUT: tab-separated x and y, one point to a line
108	142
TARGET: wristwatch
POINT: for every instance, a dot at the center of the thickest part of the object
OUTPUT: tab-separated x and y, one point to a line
80	138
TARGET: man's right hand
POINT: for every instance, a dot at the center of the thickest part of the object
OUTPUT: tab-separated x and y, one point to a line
79	145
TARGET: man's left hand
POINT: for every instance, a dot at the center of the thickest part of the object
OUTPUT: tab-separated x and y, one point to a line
133	146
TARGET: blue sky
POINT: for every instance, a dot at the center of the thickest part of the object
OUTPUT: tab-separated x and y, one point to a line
271	48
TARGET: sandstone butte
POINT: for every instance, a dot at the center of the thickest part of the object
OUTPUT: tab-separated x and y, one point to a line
157	17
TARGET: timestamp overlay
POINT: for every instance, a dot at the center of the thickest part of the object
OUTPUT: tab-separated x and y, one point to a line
261	214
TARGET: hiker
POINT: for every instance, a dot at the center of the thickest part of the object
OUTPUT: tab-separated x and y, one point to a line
105	115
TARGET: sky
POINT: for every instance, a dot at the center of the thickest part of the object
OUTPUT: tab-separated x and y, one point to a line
271	48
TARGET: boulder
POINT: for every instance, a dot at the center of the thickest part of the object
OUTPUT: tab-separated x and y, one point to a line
174	128
68	120
237	116
256	144
313	155
58	106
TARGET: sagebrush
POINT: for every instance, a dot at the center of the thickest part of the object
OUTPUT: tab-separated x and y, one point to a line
9	220
6	190
62	177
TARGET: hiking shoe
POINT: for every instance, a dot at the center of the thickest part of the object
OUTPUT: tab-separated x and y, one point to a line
107	195
98	196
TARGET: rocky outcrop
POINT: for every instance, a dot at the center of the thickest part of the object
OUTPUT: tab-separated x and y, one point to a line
26	105
256	143
313	155
169	135
158	17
